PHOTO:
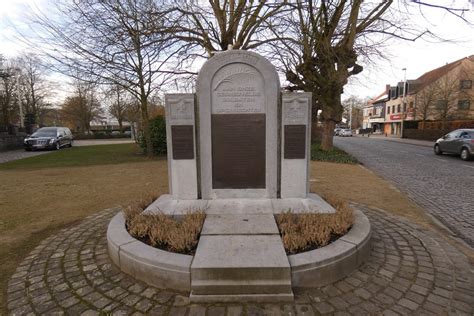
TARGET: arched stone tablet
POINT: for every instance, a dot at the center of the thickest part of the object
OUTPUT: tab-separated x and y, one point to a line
238	100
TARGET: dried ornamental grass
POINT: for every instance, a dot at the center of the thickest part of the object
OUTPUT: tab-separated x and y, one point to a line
179	234
303	232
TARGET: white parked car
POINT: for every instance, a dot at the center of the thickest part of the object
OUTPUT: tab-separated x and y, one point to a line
345	132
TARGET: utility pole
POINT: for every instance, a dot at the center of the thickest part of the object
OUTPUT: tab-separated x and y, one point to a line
404	101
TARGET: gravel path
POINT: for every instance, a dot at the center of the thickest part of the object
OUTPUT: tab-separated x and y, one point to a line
20	154
410	271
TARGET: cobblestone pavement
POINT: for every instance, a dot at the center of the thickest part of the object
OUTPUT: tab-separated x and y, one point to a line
410	271
19	154
442	185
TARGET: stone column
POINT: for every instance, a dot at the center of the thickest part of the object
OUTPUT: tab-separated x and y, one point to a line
181	141
296	144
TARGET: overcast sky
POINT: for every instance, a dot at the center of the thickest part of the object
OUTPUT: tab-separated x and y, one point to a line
417	57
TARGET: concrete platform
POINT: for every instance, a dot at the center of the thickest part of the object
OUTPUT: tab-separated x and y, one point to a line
239	224
313	204
231	267
240	256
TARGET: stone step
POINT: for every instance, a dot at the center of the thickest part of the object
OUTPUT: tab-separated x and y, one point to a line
227	267
233	286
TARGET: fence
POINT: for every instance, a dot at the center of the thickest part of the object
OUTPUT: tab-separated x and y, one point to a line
432	130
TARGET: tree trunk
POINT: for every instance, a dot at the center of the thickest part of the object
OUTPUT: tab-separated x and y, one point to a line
328	133
146	126
120	126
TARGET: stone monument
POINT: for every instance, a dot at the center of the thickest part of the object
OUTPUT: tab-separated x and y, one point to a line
239	149
251	160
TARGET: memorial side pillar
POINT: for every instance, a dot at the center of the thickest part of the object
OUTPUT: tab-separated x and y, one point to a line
181	141
296	144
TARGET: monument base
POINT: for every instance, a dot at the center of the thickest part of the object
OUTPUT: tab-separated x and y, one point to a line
240	255
313	203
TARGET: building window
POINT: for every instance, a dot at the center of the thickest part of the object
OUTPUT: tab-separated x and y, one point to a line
388	110
398	108
404	107
466	84
464	104
411	105
393	108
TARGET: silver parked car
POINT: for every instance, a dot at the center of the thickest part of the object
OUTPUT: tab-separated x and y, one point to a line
460	142
345	132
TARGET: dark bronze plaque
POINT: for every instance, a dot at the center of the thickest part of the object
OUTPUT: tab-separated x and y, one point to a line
182	141
238	151
295	142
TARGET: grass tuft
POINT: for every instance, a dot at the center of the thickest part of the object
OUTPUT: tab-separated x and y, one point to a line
333	155
307	231
178	234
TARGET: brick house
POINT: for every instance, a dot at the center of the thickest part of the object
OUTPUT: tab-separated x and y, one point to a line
442	94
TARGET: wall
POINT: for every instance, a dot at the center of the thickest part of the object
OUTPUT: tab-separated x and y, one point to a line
424	134
8	142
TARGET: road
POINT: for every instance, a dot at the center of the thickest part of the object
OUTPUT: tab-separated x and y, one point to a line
442	185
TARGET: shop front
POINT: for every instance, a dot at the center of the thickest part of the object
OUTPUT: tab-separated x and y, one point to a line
393	126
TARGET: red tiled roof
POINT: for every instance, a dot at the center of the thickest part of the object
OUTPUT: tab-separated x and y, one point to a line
435	74
377	98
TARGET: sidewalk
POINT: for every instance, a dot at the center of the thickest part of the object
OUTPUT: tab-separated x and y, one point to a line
424	143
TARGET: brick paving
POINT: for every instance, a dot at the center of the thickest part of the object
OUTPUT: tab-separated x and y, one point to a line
442	185
410	271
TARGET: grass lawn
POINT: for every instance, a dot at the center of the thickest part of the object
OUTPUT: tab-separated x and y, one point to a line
38	198
333	155
80	156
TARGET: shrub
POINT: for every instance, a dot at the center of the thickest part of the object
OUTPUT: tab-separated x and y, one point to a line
158	135
177	234
307	231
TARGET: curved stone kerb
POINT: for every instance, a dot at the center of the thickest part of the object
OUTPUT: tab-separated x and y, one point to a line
335	261
151	265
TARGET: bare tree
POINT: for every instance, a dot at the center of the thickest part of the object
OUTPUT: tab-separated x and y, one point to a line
119	104
8	93
447	95
324	41
354	104
34	85
113	42
425	100
81	108
222	25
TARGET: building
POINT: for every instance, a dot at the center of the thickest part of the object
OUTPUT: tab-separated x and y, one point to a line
442	94
377	117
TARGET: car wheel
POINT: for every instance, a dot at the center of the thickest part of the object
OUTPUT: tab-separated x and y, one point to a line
437	150
465	154
58	146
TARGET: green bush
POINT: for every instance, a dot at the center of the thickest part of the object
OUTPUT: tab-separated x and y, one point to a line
158	135
333	155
